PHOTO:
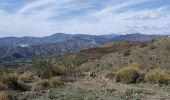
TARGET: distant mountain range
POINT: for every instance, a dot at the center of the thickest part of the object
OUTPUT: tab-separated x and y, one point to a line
16	48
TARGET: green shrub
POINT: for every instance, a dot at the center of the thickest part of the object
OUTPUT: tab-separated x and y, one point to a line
128	74
47	69
43	68
157	76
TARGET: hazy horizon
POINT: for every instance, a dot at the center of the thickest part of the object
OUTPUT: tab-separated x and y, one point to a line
40	18
80	34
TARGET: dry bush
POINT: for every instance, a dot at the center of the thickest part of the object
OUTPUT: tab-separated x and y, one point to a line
157	76
55	81
26	77
9	81
60	70
128	74
41	84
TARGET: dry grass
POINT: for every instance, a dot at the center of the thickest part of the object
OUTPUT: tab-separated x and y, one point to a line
128	74
55	81
157	76
41	84
9	81
26	77
110	74
46	83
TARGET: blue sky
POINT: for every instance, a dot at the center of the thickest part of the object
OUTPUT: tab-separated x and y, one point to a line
45	17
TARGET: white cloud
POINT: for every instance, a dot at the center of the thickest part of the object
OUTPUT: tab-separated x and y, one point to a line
113	8
152	14
35	5
44	17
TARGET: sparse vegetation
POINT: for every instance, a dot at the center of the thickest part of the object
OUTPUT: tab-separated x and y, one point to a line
157	76
41	84
93	74
128	74
110	74
55	81
25	77
47	83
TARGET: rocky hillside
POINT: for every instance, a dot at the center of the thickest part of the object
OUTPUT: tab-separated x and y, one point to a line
149	55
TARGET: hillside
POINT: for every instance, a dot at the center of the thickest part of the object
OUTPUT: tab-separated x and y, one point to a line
21	48
95	73
153	54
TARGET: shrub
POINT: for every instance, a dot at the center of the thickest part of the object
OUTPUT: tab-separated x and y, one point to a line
47	69
41	84
10	82
26	77
55	81
60	70
157	76
128	74
110	74
43	68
